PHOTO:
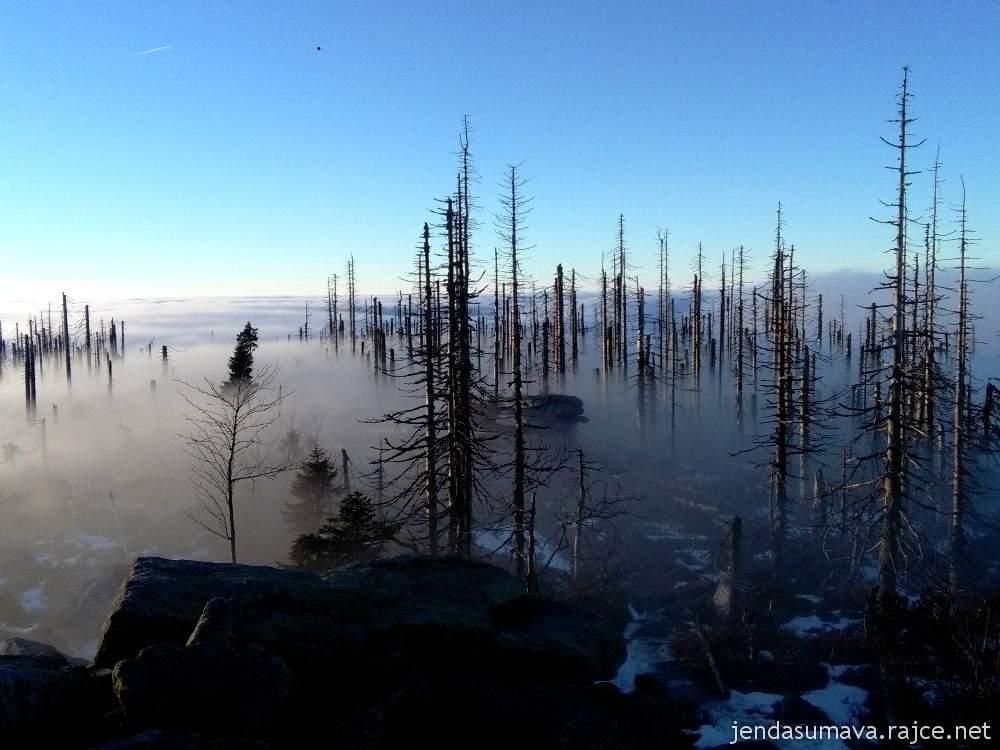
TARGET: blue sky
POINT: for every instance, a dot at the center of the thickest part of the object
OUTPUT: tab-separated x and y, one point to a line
241	160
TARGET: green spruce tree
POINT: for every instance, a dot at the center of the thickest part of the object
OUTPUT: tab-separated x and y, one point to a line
312	491
241	363
354	535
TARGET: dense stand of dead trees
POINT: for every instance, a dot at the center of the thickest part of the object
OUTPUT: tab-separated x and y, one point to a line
912	404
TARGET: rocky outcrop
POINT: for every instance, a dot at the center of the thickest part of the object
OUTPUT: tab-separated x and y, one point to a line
39	653
161	600
554	409
35	685
407	652
42	694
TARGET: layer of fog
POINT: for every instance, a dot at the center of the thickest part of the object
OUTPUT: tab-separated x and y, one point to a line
100	475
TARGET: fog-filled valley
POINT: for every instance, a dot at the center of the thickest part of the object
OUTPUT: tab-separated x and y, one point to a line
643	491
97	472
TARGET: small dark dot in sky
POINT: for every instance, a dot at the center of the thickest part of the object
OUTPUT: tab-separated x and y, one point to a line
318	49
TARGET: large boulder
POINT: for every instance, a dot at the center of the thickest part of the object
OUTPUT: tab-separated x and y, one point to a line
365	655
554	409
554	639
33	692
160	600
40	653
44	698
227	688
216	682
80	622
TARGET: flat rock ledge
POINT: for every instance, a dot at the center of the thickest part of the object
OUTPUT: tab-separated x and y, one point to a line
404	652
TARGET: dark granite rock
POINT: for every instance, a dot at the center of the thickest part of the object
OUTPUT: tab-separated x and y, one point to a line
160	600
45	699
552	409
406	652
41	653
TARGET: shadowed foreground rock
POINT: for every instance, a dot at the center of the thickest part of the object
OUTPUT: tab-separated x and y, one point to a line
407	652
42	693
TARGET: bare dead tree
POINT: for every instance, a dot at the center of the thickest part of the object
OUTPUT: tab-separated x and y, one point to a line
66	342
227	438
892	481
511	228
331	310
959	500
412	459
352	302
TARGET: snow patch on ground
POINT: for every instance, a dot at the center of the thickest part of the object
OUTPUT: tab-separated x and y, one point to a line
807	625
809	598
844	704
33	599
642	655
699	559
92	542
836	671
869	572
496	541
46	558
752	710
665	531
16	630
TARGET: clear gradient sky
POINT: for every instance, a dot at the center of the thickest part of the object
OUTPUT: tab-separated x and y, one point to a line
241	160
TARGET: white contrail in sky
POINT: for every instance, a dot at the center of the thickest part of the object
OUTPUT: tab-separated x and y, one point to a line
155	49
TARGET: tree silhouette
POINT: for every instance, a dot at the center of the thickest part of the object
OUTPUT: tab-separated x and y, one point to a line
312	490
241	363
354	535
227	438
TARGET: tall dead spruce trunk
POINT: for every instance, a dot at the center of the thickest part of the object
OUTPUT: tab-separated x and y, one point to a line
66	343
430	424
513	224
958	509
892	480
782	368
